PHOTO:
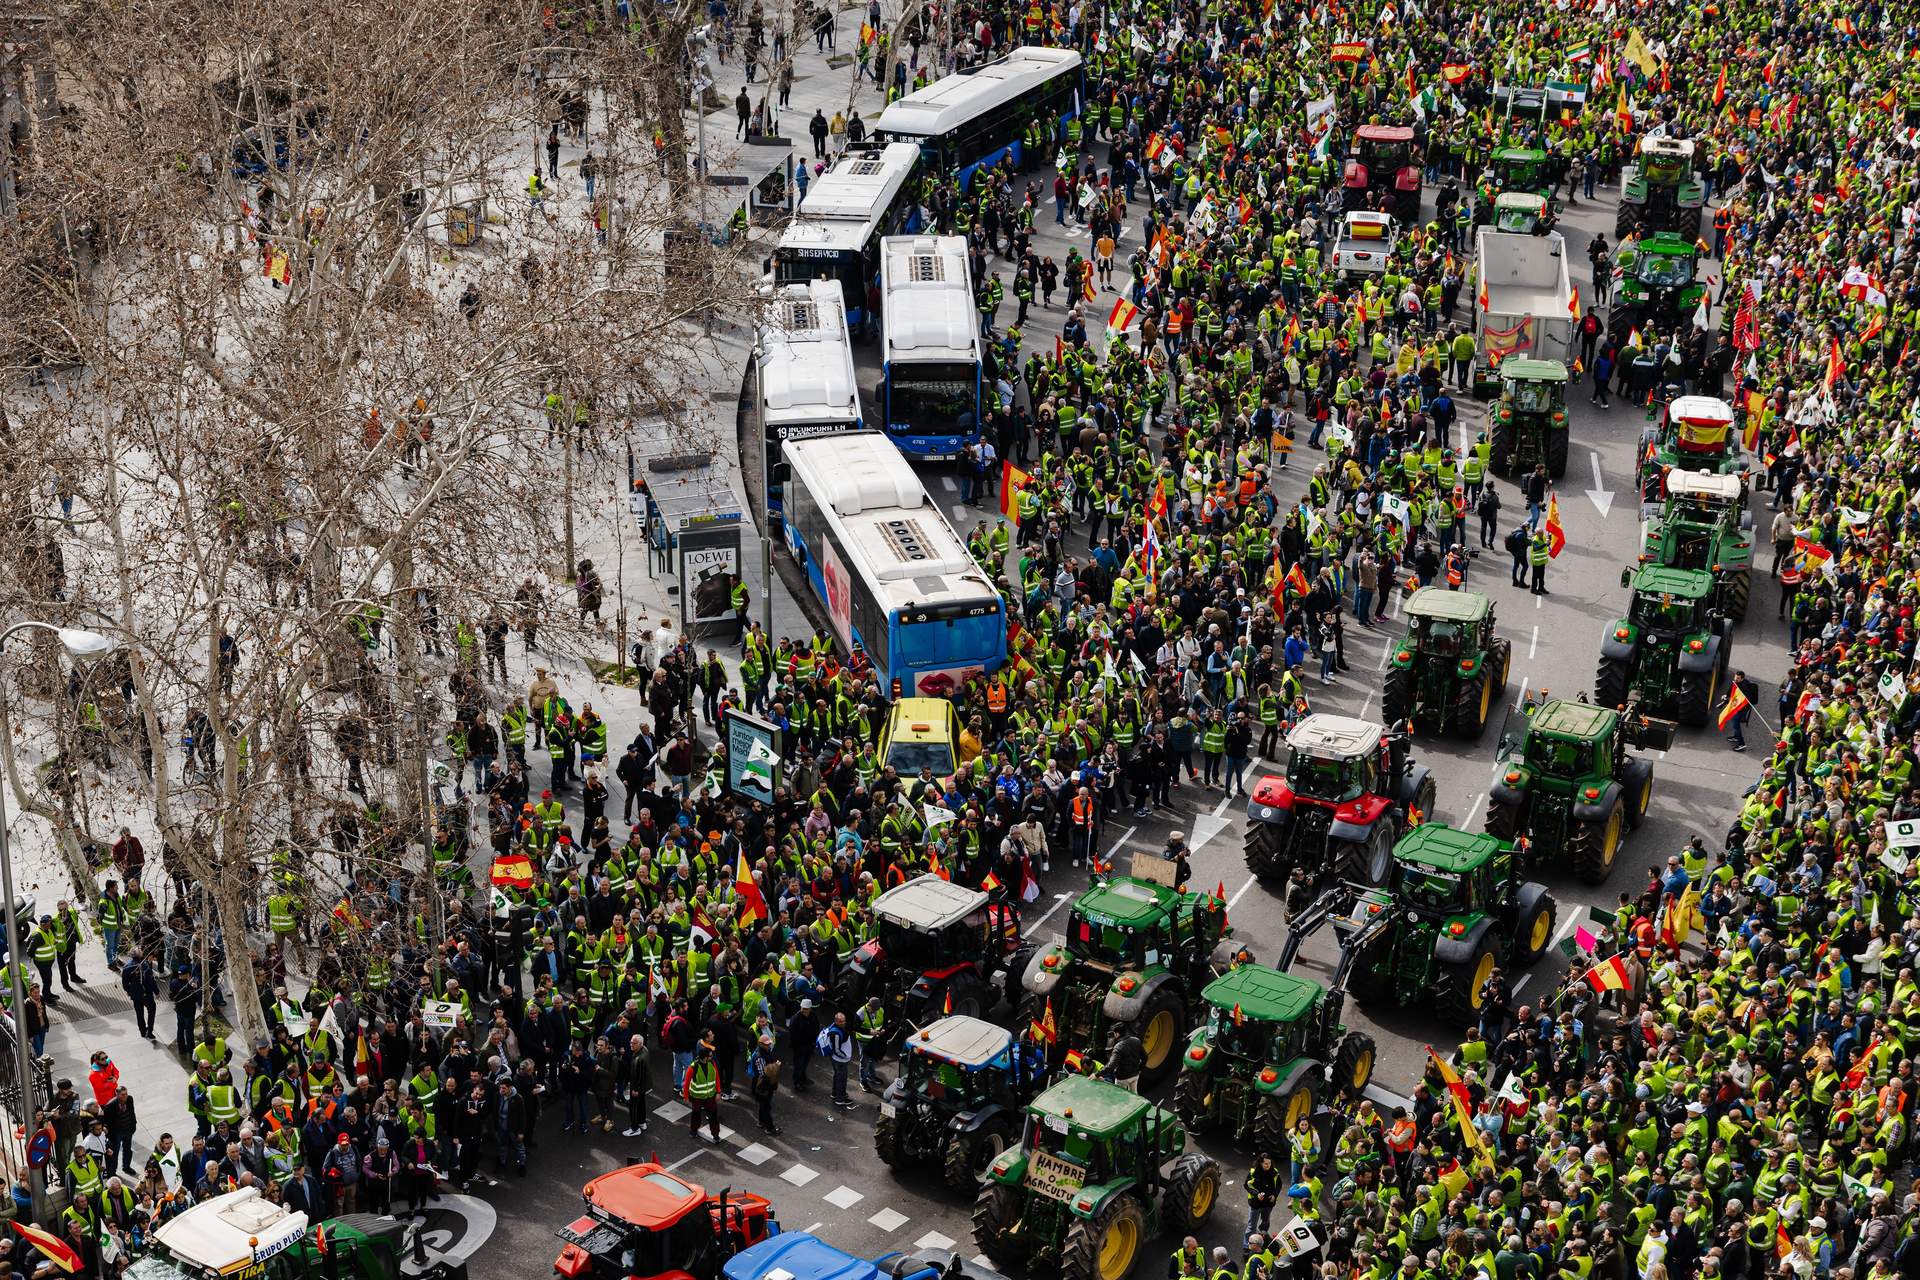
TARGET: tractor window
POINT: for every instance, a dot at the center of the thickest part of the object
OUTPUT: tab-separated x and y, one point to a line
1442	638
1560	759
1323	778
1434	890
1664	270
1248	1040
1532	397
1384	155
910	948
1103	943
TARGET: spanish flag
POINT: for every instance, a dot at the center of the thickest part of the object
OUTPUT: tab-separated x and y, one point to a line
753	903
58	1251
991	883
1556	532
1462	1109
1609	975
1736	703
1043	1027
1122	315
512	870
1013	482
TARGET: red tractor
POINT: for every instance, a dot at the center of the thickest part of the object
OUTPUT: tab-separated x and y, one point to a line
642	1221
937	948
1349	794
1381	160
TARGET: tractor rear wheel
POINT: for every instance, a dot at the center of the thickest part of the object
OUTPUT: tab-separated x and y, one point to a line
1193	1095
1611	681
1624	221
1536	931
1501	442
1458	986
886	1142
1267	850
1594	844
1501	654
1687	223
1353	1064
1396	701
970	996
1159	1026
1270	1126
1637	778
1192	1188
1557	443
1105	1246
1503	820
1473	703
1739	593
996	1212
1696	702
970	1155
1622	318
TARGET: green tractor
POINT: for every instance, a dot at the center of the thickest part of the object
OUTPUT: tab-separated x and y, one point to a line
1673	650
1512	171
1271	1049
1455	907
1659	287
1522	213
1569	788
1693	433
1530	421
957	1101
1450	670
1660	191
1136	955
1099	1171
1705	524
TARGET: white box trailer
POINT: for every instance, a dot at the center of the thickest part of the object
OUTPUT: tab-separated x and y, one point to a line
1522	302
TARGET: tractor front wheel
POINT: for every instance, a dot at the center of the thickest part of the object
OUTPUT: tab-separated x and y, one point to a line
886	1142
1353	1064
1536	931
1159	1026
1623	222
1557	442
1687	223
1695	705
970	1155
1503	820
1192	1188
1501	654
970	996
1611	681
1621	320
1267	850
1369	861
1270	1126
1193	1095
1396	702
1739	593
1595	844
1105	1246
1501	444
996	1212
1458	988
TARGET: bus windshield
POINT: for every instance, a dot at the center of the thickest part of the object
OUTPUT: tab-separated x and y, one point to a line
935	398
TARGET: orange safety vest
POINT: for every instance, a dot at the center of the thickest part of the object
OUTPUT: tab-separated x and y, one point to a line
1174	322
1643	938
996	695
1083	811
1400	1138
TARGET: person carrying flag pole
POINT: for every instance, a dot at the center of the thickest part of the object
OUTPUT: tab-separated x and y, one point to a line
1734	714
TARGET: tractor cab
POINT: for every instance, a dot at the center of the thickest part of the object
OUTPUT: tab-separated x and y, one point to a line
644	1221
1701	507
1666	161
1131	923
1668	602
1381	159
1521	169
239	1232
1335	759
1699	424
1260	1014
929	921
1522	212
960	1063
1655	268
1442	872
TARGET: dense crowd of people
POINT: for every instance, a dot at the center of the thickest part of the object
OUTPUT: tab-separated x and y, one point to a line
1744	1107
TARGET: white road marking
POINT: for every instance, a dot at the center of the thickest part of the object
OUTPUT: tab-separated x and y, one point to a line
1533	645
672	1112
1521	983
1058	900
799	1175
810	1230
1240	893
933	1240
1387	1097
756	1154
1520	699
1221	808
950	484
843	1197
1474	807
1539	601
889	1220
700	1151
1385	655
1126	836
1393	610
1364	704
1566	928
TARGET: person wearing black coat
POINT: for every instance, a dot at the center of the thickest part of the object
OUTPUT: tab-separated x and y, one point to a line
803	1029
305	1194
142	986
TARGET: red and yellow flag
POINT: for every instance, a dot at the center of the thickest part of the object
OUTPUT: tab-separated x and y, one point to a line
1609	975
1556	532
1013	482
1736	703
512	870
753	903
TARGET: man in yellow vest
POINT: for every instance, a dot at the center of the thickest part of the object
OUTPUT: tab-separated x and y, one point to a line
701	1089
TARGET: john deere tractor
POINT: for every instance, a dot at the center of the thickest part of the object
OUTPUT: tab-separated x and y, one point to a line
1568	791
956	1104
1271	1049
1136	955
1705	524
1349	791
1659	287
1455	907
1449	671
1673	650
1529	424
1693	433
1514	171
1660	192
1099	1171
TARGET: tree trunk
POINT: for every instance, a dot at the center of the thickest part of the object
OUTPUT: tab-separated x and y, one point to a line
230	897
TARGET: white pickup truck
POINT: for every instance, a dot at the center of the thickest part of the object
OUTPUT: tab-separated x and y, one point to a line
1366	243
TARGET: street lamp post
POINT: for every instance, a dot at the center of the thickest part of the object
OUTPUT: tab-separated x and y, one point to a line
81	644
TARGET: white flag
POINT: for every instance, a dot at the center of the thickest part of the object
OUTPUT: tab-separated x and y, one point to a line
937	816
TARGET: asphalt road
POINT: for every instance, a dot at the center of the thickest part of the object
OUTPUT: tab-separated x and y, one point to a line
821	1173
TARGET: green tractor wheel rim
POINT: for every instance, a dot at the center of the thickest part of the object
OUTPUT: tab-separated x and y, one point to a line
1121	1242
1538	936
1157	1041
1362	1070
1299	1107
1481	972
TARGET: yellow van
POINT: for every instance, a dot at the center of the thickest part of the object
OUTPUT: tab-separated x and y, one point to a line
920	732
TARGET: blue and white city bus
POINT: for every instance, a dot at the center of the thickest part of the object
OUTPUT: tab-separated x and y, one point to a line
932	367
895	578
835	235
807	382
970	120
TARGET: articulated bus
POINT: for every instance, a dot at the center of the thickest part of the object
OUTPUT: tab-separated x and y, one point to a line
970	120
836	234
932	362
805	362
894	576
